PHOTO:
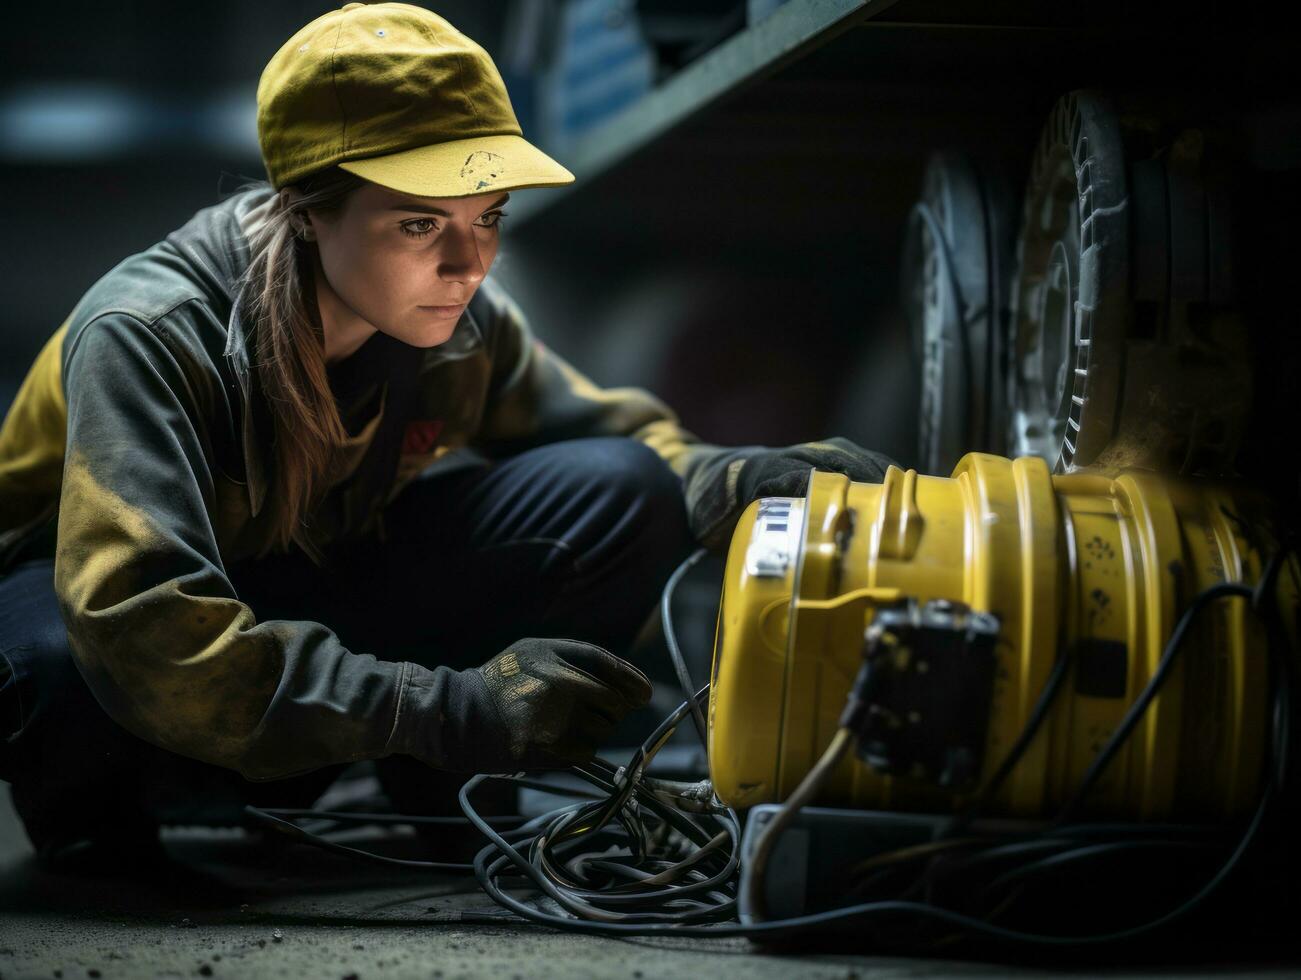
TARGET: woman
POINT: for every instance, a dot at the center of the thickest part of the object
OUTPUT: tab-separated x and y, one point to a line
282	479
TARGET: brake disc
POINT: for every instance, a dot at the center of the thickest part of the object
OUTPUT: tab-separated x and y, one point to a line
1069	298
954	262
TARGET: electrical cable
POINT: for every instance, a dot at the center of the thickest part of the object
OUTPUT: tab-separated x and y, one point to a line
1173	645
316	840
642	856
280	819
349	816
671	640
914	852
1056	861
1264	588
697	887
488	875
808	788
1140	705
1037	715
864	912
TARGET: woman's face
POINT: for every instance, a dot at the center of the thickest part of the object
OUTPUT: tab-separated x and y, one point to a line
407	265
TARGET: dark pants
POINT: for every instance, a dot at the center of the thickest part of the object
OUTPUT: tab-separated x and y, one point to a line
574	539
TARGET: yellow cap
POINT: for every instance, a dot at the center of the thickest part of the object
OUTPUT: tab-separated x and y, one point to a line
395	94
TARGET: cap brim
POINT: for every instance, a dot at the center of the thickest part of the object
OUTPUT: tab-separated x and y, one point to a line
463	167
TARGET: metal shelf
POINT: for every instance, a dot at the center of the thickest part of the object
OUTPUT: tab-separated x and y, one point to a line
789	33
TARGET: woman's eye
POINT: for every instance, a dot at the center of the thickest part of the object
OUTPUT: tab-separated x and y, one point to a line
418	228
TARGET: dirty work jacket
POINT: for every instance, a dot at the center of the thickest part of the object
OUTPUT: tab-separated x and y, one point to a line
140	439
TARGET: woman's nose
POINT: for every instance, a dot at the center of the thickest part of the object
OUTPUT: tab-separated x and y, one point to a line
459	260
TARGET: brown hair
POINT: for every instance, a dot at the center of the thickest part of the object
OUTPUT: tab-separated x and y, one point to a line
279	300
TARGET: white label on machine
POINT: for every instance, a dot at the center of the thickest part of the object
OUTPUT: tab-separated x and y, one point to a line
775	541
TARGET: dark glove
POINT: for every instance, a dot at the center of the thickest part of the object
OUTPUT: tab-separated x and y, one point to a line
785	472
778	473
539	704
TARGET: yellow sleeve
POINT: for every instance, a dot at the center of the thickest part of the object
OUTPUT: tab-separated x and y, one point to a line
168	648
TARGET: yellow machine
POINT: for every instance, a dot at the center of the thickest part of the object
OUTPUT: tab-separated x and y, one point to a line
966	590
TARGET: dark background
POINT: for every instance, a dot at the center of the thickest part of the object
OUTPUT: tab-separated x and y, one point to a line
744	264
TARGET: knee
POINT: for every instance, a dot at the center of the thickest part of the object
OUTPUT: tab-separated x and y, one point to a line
647	506
42	678
37	678
37	665
633	475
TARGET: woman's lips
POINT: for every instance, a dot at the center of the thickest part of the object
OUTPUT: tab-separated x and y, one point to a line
447	311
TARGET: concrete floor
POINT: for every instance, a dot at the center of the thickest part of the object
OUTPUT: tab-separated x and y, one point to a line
231	907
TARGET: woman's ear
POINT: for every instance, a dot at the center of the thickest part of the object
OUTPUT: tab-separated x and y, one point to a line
301	222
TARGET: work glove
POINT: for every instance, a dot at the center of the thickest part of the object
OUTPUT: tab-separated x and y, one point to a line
539	704
774	473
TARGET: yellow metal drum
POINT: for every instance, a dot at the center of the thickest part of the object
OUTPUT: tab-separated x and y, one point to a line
1098	565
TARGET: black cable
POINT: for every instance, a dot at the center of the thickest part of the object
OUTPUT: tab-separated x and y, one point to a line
698	886
576	902
1280	684
570	854
1055	862
349	816
873	910
1037	715
682	846
293	830
502	853
1149	692
671	640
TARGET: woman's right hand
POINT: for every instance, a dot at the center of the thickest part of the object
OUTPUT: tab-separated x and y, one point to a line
539	704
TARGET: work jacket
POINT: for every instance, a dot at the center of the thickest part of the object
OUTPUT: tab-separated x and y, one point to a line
136	452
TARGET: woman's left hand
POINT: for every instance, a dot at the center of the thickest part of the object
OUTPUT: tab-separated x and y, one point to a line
785	472
776	473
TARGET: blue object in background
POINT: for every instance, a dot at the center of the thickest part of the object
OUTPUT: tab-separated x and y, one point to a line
66	121
757	10
601	64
